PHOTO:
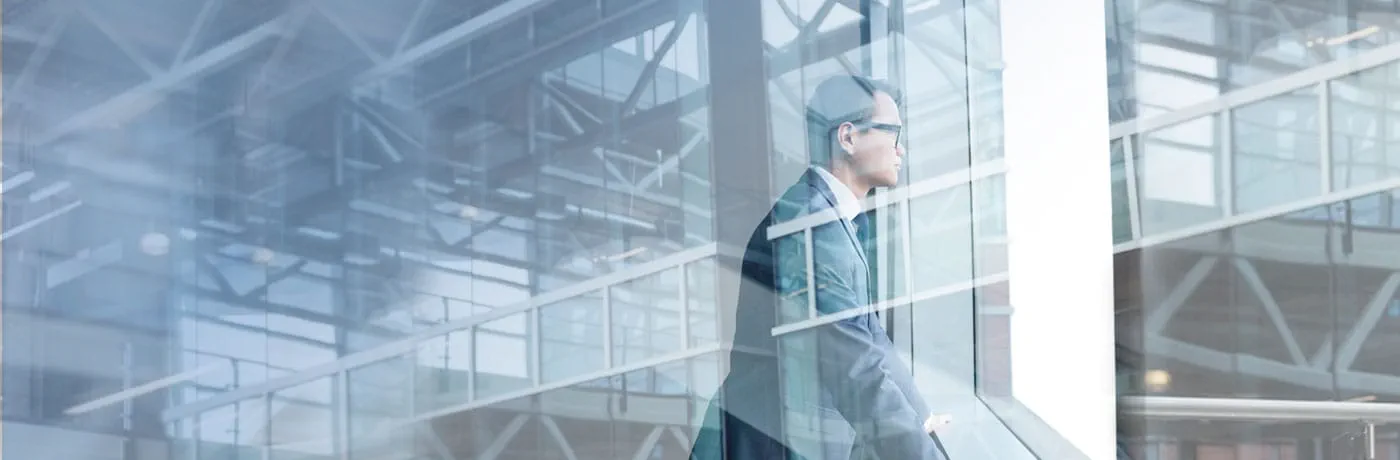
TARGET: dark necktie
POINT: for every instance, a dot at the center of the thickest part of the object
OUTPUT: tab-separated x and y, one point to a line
861	223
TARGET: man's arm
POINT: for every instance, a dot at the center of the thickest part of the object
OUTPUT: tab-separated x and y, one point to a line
857	374
901	375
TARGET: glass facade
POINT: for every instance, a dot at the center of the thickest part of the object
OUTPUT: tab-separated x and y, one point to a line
1256	309
491	229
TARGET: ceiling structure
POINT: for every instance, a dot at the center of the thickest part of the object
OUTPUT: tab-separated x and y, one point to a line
322	177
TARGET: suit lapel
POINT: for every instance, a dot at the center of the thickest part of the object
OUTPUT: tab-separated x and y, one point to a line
815	180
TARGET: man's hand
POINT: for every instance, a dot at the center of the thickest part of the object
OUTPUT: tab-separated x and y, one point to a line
937	422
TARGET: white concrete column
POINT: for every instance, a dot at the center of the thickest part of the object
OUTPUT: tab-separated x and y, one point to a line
1059	217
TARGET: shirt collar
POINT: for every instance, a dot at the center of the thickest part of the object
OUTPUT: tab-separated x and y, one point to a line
847	205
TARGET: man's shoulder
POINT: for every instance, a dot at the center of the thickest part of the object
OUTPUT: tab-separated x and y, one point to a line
800	199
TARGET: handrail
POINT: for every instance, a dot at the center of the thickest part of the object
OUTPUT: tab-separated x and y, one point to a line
1273	410
1311	76
410	343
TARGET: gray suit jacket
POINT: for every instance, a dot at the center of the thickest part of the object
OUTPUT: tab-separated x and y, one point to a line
818	393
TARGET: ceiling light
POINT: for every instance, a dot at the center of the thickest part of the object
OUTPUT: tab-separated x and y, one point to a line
1157	380
155	243
263	256
468	212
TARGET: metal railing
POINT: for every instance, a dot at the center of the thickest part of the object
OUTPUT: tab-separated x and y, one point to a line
1369	415
529	309
1222	110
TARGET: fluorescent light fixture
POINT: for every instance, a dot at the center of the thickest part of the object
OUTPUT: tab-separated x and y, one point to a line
513	193
222	225
432	186
318	233
1344	38
155	243
357	259
625	255
16	181
1360	34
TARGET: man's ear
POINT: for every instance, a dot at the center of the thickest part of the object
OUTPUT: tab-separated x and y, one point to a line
843	137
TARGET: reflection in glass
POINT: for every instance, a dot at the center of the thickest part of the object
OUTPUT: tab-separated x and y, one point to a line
240	195
571	337
1179	175
444	370
1180	53
234	431
646	317
303	422
794	299
703	312
1276	151
1294	307
381	407
1122	216
1363	127
887	246
941	247
504	359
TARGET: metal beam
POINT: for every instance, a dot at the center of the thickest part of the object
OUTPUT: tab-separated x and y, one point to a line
121	41
436	441
348	31
498	446
1176	298
1266	298
649	71
1346	354
553	428
148	94
533	161
1240	363
649	444
1298	80
418	14
42	49
567	47
654	177
200	22
461	33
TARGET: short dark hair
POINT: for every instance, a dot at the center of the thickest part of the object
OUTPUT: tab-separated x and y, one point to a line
836	100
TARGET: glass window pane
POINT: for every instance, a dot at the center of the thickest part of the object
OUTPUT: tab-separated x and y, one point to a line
234	431
503	359
571	337
704	311
444	370
646	317
794	297
1179	176
381	406
941	245
1277	155
1365	127
303	421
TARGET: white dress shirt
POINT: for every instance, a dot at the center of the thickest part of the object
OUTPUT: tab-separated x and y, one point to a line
847	205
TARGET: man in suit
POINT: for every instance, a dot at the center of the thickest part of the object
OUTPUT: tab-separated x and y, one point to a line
839	390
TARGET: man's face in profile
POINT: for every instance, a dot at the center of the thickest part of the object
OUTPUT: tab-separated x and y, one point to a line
873	146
